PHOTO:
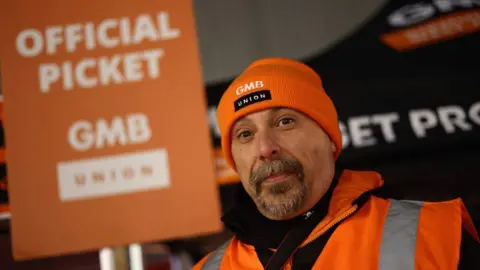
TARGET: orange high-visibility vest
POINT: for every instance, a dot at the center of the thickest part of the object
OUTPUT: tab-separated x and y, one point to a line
384	234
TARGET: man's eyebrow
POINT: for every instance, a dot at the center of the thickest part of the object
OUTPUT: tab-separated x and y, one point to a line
280	109
276	109
241	121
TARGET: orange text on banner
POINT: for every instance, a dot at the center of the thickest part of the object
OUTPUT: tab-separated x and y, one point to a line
443	28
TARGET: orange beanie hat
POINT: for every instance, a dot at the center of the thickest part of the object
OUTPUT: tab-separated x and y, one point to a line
276	82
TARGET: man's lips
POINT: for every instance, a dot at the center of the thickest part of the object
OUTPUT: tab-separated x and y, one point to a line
277	177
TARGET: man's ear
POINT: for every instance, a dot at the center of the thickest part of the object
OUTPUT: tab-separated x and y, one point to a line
334	148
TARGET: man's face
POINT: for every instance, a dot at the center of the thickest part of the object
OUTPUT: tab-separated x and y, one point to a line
284	159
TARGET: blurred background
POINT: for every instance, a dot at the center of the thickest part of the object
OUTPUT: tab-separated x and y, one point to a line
404	76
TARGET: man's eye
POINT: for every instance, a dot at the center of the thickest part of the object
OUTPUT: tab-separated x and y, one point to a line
285	121
244	134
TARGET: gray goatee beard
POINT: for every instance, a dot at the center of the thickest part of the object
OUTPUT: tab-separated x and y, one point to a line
278	200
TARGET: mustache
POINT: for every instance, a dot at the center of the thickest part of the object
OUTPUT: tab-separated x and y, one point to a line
275	167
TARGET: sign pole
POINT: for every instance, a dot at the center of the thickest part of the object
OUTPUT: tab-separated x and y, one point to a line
107	259
136	256
114	259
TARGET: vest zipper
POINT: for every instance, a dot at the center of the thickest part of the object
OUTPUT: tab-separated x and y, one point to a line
335	221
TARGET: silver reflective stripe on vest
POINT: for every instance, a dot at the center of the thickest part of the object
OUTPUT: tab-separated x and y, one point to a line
397	250
215	259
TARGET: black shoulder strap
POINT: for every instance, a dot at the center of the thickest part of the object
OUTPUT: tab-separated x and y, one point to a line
291	242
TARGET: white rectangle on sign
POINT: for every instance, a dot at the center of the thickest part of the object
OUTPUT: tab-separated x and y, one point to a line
113	175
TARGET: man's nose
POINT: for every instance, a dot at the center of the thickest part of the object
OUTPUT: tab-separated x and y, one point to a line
267	145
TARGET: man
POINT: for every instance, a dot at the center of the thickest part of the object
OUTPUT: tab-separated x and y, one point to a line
281	134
